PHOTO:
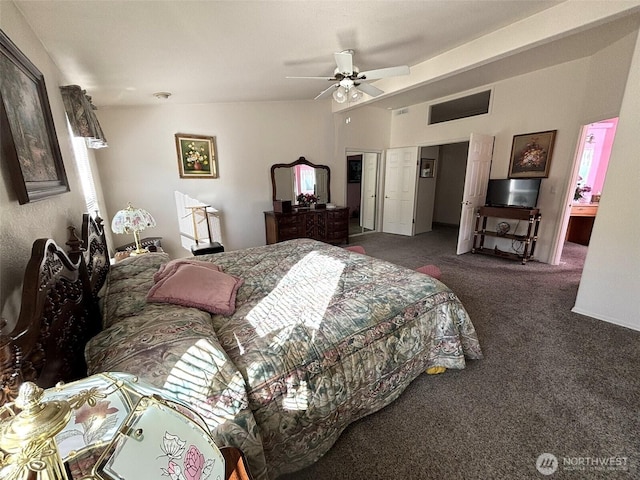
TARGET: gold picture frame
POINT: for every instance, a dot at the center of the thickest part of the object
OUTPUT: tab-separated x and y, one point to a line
531	154
197	156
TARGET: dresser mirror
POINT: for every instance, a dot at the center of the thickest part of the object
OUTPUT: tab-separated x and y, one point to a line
289	180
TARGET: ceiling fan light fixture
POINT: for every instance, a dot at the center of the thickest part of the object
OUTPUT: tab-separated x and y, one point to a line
340	94
355	94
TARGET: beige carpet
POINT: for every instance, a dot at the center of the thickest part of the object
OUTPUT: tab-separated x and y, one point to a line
551	382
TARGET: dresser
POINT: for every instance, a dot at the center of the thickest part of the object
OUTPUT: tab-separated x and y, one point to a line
326	225
581	222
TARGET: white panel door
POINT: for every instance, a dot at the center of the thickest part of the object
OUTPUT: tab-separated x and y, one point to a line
369	189
475	187
401	174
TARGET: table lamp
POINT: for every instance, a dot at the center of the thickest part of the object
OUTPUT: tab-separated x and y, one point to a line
133	220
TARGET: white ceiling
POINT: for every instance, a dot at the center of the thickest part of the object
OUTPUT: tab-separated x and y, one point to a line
122	52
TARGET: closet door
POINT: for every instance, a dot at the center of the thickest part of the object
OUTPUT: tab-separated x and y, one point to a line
369	189
401	174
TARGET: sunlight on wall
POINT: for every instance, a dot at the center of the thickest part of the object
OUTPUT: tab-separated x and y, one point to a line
188	230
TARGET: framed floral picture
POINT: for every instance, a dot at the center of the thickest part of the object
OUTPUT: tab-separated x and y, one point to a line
197	156
531	154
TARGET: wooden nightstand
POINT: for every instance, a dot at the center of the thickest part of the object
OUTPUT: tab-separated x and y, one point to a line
235	464
144	243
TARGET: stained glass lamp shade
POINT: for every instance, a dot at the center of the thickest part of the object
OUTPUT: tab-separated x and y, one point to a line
132	221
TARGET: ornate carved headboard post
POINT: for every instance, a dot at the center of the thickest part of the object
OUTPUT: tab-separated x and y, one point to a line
75	245
59	311
47	343
96	253
10	369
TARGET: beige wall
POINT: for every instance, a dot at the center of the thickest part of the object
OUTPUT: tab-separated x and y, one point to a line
611	277
140	165
555	98
20	225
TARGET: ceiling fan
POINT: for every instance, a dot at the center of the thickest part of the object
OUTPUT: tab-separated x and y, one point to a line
350	81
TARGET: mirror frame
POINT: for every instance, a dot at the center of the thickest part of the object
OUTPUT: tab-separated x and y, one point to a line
300	161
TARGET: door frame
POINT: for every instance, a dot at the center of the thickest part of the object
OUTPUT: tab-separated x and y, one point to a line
565	211
379	181
466	139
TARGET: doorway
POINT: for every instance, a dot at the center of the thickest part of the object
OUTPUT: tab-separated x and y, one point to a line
460	180
362	191
586	183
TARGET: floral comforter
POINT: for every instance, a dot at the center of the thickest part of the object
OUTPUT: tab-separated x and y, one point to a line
320	337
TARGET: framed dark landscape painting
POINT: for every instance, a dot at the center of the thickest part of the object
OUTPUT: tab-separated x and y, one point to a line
29	142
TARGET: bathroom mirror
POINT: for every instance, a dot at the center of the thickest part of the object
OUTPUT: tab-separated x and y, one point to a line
289	180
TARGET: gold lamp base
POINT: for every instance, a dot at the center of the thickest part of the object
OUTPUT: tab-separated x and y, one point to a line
29	437
139	250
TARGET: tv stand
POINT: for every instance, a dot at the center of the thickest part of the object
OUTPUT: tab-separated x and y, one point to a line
532	215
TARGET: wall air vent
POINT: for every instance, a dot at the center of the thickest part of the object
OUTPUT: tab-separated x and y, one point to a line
463	107
401	111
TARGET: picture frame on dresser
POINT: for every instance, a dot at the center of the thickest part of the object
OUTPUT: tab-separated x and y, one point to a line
27	132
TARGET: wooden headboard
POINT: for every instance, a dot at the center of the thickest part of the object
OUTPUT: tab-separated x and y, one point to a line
59	311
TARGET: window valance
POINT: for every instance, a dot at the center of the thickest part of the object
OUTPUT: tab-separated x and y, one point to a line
81	115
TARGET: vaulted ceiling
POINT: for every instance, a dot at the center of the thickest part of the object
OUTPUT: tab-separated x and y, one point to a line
122	52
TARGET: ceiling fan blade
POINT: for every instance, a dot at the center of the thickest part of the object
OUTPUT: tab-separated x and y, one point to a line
369	89
385	72
326	93
344	61
331	79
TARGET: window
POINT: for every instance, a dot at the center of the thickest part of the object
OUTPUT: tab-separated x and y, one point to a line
469	106
86	176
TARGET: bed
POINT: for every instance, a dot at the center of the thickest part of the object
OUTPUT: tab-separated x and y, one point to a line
317	338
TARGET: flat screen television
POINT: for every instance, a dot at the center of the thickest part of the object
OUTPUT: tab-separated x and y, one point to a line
522	192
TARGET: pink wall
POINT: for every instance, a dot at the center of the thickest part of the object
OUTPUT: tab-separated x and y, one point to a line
603	136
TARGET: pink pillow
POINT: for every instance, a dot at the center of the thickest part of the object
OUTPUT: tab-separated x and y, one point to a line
194	285
431	270
170	267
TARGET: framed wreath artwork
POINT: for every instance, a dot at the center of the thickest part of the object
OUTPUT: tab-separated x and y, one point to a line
197	156
531	154
27	131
